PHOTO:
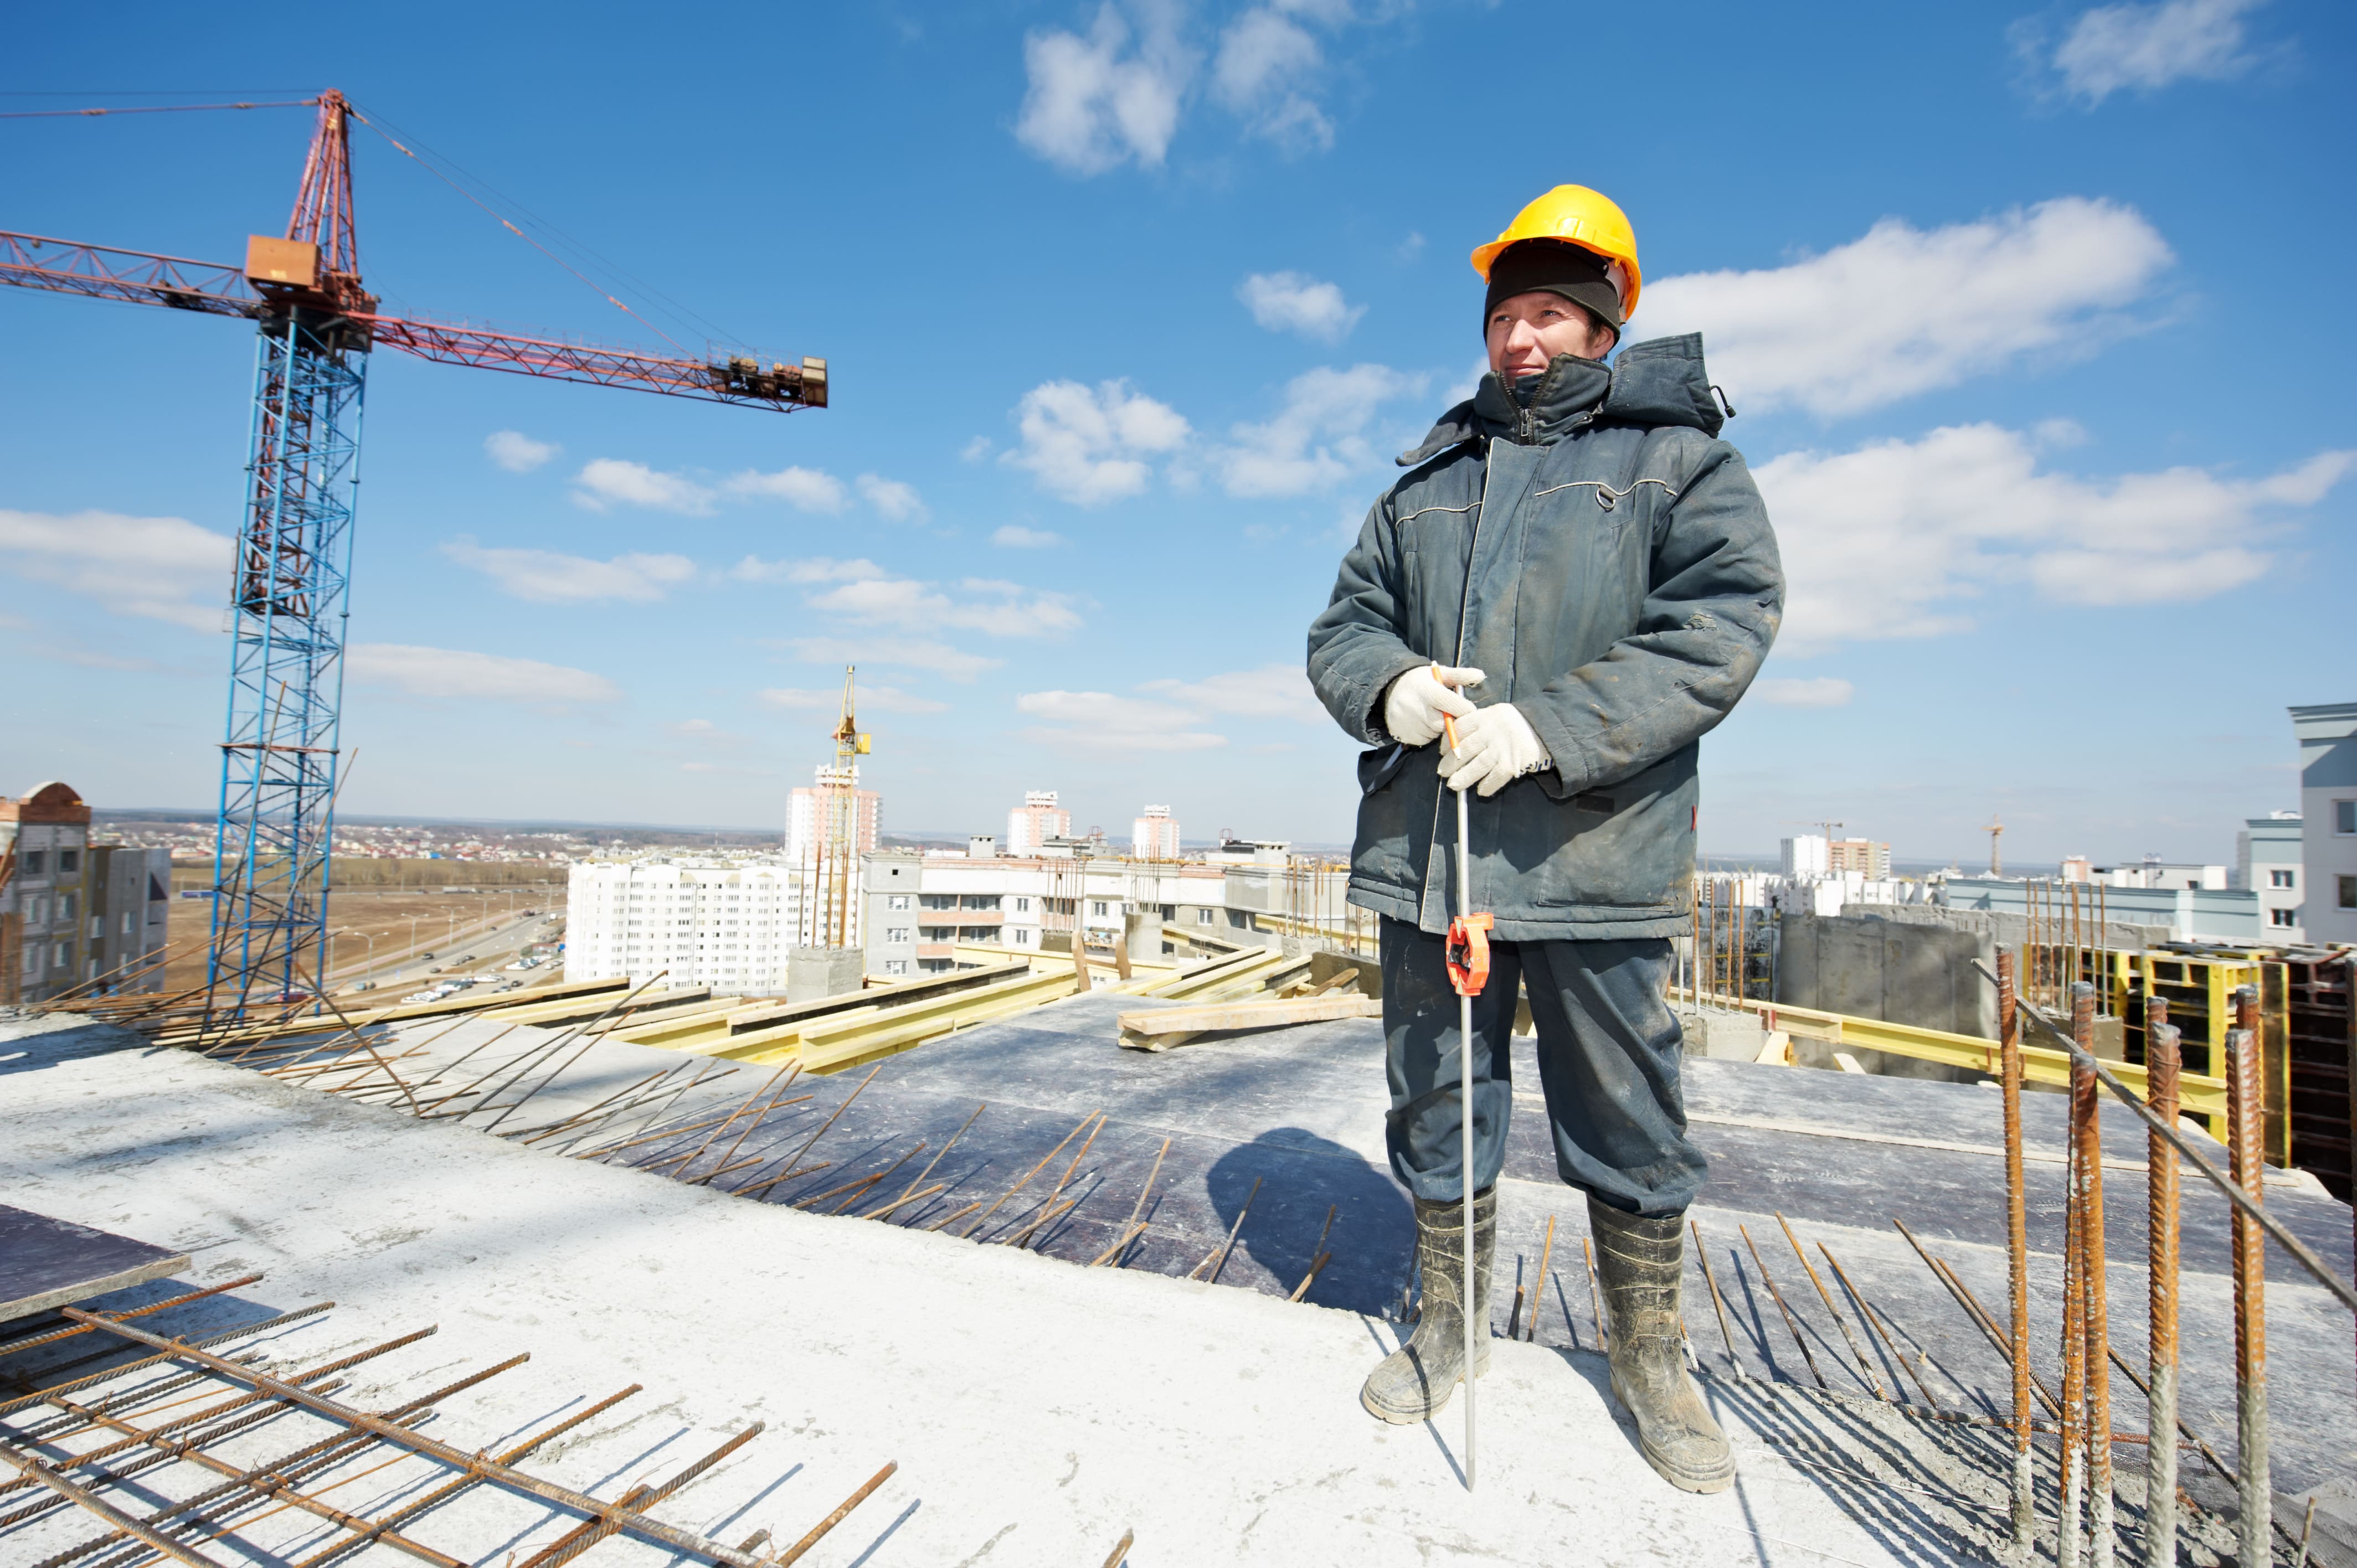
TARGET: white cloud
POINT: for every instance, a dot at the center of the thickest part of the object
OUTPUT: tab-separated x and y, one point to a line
1099	721
517	453
606	482
1319	438
1793	691
864	591
1295	301
900	653
1267	65
892	498
1014	536
806	490
548	578
1898	539
2113	48
1088	447
881	699
1902	311
818	569
1090	106
975	450
475	677
159	568
1271	692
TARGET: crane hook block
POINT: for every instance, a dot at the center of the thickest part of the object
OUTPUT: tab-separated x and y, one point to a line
1468	953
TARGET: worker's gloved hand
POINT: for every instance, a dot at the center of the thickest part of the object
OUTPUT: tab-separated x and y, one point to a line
1412	708
1495	746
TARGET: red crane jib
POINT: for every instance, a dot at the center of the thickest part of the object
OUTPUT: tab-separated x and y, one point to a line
100	271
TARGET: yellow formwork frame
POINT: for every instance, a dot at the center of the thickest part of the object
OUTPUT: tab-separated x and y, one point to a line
2197	1096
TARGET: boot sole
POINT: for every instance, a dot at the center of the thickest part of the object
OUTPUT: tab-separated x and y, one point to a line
1409	1418
1705	1481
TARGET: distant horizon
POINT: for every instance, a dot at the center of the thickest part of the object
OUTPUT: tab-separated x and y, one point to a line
1708	860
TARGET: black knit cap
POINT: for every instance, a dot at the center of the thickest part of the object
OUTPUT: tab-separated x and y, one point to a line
1558	267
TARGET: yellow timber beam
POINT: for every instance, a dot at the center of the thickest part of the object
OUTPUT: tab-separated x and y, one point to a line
2197	1096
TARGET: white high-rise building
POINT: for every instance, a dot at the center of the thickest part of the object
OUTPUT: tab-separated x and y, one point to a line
833	904
723	923
1154	836
1034	823
1808	855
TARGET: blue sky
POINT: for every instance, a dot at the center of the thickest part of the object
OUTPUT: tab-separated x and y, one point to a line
2036	321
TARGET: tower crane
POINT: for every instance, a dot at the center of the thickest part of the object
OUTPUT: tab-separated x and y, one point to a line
290	584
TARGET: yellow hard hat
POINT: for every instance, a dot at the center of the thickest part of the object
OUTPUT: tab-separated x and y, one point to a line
1586	219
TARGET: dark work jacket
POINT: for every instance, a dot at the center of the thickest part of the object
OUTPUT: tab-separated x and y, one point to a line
1607	560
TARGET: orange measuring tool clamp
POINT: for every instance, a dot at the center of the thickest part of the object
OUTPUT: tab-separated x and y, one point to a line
1468	933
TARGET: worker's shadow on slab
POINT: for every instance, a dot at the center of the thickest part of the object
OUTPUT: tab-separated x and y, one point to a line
1292	1179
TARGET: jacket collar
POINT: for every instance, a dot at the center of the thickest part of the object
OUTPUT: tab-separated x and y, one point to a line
1653	383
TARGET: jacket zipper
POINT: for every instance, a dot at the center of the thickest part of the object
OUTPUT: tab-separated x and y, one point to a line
1464	604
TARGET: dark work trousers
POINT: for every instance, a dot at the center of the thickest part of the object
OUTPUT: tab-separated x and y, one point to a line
1609	1049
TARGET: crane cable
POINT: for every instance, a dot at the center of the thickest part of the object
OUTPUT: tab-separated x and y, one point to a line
671	306
511	229
151	108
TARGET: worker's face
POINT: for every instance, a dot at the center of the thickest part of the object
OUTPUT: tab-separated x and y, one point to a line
1529	329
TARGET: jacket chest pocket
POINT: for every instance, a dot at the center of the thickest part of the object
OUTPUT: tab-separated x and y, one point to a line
1435	545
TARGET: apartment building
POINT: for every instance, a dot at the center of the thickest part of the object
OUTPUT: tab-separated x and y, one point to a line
1868	858
1154	835
725	923
921	908
1031	825
2267	862
2328	815
44	893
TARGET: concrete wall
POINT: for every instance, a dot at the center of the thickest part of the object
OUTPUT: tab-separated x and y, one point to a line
1900	971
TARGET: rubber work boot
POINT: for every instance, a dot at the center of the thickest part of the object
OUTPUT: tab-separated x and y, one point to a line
1416	1381
1641	1264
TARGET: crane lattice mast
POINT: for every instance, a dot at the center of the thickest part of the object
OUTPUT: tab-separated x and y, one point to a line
290	589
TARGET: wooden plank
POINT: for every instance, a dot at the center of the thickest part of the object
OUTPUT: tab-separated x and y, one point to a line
769	1015
1162	1021
327	1023
584	1009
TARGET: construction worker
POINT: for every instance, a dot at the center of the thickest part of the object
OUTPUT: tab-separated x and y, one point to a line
1582	575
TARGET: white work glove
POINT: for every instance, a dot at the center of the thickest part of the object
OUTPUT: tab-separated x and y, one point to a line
1412	708
1495	747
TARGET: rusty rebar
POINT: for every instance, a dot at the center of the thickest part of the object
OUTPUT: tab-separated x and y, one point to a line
796	1159
743	1108
1020	1181
2016	1246
1857	1350
2070	1546
54	1334
2162	1062
1538	1294
442	1453
937	1159
2087	1135
1133	1228
1318	1254
2245	1114
1777	1297
818	1533
590	1531
1227	1246
447	1489
1702	1253
1048	1204
1594	1296
1874	1321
